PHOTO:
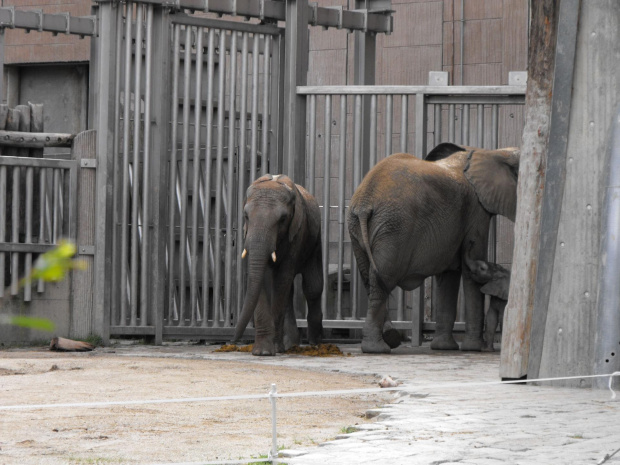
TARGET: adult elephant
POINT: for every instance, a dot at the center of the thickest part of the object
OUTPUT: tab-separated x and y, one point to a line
410	219
282	232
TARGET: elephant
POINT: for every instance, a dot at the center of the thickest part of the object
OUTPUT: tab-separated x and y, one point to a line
282	234
410	219
496	283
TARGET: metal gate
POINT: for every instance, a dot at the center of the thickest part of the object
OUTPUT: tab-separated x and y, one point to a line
178	187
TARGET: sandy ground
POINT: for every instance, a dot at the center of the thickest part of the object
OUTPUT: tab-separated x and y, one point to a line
163	433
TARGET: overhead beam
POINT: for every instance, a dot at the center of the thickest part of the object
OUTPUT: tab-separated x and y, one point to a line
378	21
36	20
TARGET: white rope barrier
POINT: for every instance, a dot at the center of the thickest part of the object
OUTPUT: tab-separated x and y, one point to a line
274	394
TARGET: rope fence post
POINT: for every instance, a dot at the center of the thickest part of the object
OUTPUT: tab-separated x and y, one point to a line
274	433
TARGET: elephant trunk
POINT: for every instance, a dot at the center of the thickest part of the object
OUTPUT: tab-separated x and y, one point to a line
258	251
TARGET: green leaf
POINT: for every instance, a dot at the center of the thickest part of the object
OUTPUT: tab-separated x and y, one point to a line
42	324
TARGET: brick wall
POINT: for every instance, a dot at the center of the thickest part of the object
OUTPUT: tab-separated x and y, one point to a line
36	47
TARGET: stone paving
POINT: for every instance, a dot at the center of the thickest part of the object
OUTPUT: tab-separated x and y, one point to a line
450	411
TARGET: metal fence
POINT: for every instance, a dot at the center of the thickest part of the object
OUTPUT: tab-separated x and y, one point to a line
350	129
37	196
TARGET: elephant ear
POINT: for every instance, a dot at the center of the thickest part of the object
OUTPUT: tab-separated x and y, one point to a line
494	173
298	208
497	288
443	151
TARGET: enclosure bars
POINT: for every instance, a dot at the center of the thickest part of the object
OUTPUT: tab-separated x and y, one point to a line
225	134
433	107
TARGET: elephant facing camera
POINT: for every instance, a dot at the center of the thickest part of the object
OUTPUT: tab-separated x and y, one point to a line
282	238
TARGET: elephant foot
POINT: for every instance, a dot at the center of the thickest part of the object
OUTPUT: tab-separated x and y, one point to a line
315	335
444	342
474	345
488	348
391	337
375	347
263	348
288	343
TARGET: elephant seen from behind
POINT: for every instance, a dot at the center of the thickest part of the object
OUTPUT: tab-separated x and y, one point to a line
282	233
410	219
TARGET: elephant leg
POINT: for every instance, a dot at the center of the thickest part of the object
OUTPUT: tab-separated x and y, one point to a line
264	327
313	289
390	334
291	333
282	309
372	334
490	324
474	315
447	291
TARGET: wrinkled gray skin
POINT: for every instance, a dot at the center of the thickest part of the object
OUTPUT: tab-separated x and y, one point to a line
282	218
496	280
409	219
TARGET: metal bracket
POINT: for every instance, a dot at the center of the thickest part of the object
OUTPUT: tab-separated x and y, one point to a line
173	5
68	22
340	10
11	24
86	250
88	163
234	7
314	9
364	12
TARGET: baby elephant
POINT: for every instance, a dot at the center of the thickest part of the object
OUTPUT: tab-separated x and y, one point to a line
496	280
282	233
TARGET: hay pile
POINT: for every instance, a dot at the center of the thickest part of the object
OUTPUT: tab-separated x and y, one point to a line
322	350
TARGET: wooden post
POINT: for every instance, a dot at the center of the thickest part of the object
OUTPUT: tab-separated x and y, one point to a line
518	313
82	284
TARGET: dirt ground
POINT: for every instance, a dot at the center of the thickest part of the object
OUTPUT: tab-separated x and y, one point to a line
163	433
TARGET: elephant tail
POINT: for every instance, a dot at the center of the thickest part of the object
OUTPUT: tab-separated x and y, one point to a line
363	219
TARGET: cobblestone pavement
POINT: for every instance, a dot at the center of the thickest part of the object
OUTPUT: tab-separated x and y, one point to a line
452	411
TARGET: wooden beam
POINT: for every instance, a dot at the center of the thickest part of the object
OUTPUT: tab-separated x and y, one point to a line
555	176
518	313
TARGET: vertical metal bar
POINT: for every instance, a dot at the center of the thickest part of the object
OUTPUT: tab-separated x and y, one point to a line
342	175
372	161
146	218
274	432
438	135
480	126
206	246
404	116
125	182
187	66
42	217
56	207
193	286
254	124
228	318
172	193
357	177
265	125
217	291
465	125
3	209
15	231
28	262
389	122
135	194
494	127
312	146
116	171
451	117
242	150
404	124
326	198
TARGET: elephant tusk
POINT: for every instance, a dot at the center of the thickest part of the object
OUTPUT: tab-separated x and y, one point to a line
273	256
245	252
